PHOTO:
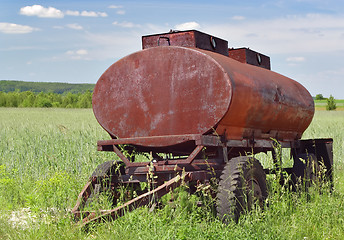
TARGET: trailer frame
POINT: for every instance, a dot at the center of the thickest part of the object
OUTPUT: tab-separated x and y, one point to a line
201	158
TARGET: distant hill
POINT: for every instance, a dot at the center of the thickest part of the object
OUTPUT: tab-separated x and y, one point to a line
46	87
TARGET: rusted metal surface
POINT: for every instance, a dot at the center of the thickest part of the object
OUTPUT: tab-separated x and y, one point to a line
83	195
246	55
121	155
204	140
192	39
172	90
160	92
264	104
143	199
162	140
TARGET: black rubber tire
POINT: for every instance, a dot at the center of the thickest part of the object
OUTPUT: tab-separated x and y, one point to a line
104	172
242	183
102	169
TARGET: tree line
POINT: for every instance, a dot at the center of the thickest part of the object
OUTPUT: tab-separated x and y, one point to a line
31	99
46	87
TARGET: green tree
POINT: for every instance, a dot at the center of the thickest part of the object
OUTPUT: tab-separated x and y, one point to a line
70	100
12	99
2	99
319	97
331	103
56	99
42	100
85	100
31	99
27	99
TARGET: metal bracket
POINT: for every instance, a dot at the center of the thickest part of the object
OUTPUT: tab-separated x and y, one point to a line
167	38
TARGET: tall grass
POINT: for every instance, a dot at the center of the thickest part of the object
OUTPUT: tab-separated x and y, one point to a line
46	152
47	155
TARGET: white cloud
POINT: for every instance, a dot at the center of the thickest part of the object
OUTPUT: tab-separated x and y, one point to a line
120	12
51	12
72	13
238	18
77	52
74	26
42	12
125	24
107	45
81	54
290	35
86	13
115	6
58	27
187	26
102	14
295	59
93	14
12	28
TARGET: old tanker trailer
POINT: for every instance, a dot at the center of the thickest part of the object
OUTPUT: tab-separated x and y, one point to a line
198	111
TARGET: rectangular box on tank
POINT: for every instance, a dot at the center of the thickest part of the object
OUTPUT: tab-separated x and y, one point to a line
192	38
246	55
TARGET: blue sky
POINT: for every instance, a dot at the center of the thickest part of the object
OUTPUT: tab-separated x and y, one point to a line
75	41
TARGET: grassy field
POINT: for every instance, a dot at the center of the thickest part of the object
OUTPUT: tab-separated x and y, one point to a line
321	104
47	155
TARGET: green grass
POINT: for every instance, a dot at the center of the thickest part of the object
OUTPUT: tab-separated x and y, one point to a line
324	101
47	155
321	104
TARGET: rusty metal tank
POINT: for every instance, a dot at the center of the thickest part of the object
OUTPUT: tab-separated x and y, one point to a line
176	90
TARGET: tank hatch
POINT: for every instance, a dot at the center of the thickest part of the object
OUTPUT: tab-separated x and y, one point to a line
246	55
191	38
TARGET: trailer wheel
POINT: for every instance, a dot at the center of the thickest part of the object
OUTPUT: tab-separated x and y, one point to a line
242	184
105	174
